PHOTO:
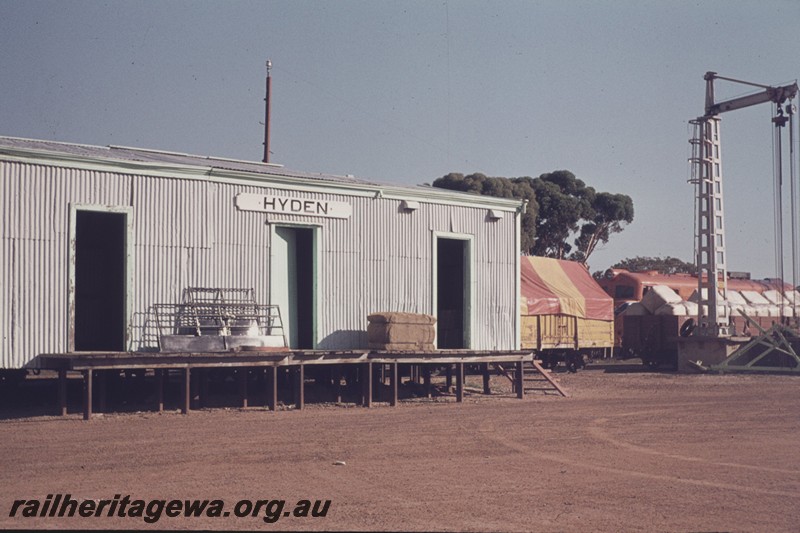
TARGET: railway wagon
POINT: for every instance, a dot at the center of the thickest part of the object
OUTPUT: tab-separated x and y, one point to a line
654	338
626	287
565	315
652	328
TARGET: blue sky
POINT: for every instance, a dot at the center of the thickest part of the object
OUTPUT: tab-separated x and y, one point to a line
405	92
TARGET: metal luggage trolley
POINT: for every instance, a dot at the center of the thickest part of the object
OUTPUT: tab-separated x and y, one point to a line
217	319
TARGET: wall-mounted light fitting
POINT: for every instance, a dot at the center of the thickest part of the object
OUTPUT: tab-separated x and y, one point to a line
409	205
494	214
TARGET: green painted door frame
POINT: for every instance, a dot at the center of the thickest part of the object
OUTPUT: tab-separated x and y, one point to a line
282	287
469	279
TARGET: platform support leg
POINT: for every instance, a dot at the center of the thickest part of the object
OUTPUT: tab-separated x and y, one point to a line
426	380
366	385
242	375
200	394
272	388
102	389
459	382
87	394
448	378
394	380
299	389
519	379
337	376
486	379
186	390
62	392
159	377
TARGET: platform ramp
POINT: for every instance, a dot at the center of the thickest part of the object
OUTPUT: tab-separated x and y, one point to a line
535	378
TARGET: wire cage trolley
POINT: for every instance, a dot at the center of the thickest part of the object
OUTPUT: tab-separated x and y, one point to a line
215	319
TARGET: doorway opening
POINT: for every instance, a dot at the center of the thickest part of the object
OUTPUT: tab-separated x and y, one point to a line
452	296
292	281
100	288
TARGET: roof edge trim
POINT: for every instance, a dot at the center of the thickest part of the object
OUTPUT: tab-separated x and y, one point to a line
276	180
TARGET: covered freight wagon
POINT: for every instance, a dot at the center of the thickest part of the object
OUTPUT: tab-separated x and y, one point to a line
565	315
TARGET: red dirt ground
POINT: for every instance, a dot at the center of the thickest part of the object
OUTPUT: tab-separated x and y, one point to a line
628	451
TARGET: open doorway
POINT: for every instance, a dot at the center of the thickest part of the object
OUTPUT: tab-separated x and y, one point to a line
452	293
100	267
292	280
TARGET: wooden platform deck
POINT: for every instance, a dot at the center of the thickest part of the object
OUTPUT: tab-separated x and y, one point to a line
94	365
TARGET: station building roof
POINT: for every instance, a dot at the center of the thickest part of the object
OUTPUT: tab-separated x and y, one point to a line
219	167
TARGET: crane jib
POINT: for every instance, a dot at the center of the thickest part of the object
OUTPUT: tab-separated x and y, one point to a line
770	94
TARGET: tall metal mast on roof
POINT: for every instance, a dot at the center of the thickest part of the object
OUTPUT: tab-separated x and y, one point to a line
266	113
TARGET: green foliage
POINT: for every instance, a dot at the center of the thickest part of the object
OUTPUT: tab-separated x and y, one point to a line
519	188
563	201
608	214
562	211
664	265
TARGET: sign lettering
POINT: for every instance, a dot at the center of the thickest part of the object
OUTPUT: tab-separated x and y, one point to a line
293	206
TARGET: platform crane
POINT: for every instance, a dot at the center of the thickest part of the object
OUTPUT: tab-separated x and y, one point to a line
706	174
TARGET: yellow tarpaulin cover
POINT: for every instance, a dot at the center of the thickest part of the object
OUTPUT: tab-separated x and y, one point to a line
555	286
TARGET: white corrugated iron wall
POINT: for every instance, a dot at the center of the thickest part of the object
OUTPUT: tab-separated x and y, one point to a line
189	233
35	202
380	260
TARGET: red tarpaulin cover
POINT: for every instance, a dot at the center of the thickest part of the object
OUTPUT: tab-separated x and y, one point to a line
555	286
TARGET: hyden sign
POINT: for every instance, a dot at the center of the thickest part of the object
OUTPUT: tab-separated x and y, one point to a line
287	205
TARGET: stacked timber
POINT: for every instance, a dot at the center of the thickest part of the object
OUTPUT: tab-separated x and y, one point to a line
401	331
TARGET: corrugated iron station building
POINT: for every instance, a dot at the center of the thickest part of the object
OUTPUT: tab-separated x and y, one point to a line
93	236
